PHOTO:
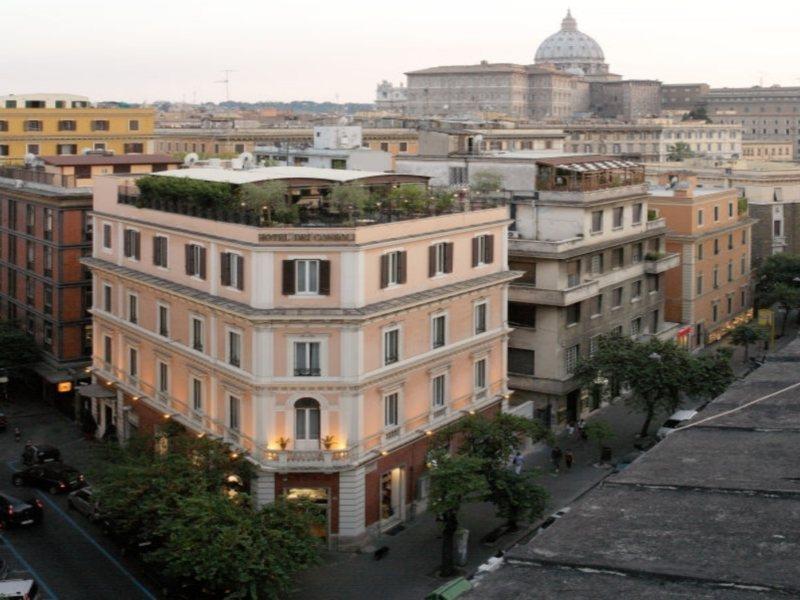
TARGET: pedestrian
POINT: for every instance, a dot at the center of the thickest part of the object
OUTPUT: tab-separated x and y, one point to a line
17	434
582	430
555	456
517	462
568	459
570	428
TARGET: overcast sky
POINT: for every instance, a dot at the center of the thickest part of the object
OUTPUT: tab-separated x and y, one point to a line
146	50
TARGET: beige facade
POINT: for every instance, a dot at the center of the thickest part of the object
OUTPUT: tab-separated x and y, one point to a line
326	353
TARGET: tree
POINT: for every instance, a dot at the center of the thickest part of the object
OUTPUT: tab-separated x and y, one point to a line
599	432
201	535
455	480
271	198
711	374
784	295
350	199
746	334
410	198
697	114
486	182
18	350
679	151
517	497
778	268
656	372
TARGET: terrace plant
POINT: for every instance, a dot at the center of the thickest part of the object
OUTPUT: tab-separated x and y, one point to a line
350	200
486	182
202	194
409	198
270	200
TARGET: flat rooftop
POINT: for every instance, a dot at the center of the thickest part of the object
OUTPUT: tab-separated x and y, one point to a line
110	159
713	511
242	176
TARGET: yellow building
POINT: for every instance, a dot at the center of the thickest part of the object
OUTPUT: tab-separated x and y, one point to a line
52	124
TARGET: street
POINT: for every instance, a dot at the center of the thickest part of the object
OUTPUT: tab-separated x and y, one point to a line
66	555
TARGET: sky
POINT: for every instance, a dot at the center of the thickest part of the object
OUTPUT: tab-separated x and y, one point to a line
322	50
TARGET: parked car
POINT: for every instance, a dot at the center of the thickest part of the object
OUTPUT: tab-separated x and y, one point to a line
19	589
136	544
54	477
16	512
623	463
38	454
84	502
676	421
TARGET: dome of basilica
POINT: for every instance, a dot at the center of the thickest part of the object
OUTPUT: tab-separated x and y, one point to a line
570	48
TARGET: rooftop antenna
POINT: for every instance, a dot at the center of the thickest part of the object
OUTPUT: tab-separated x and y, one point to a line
227	82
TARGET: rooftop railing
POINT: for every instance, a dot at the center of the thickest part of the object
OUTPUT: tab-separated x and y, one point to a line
37	176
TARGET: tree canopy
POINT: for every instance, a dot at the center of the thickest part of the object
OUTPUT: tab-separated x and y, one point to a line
486	182
679	152
18	350
745	334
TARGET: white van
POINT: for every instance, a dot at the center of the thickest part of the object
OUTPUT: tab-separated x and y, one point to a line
677	420
19	589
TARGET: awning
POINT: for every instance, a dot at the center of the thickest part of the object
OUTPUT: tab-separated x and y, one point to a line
95	390
597	166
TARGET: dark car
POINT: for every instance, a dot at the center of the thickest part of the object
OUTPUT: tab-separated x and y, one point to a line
38	454
53	477
135	544
16	512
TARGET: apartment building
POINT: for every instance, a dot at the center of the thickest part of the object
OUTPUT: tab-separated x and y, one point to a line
771	189
710	292
45	229
594	257
58	124
328	351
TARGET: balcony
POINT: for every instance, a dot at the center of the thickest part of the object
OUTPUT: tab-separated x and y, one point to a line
307	372
309	459
656	224
527	293
655	264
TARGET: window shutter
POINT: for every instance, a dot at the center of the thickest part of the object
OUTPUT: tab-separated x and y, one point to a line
325	277
475	249
137	239
431	260
288	277
384	270
189	261
156	250
240	272
202	263
126	242
401	267
225	268
489	249
448	257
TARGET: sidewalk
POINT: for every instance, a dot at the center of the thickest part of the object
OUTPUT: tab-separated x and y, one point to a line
408	572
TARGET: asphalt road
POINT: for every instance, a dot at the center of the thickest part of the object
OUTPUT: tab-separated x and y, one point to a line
66	555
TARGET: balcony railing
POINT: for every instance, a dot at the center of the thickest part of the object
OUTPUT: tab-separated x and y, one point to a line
307	372
37	176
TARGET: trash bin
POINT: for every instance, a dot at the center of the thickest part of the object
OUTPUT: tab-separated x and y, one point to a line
461	539
450	590
605	454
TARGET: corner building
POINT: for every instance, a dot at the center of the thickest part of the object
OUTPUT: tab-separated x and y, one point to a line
330	353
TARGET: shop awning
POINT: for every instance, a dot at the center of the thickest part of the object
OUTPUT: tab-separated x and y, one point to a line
95	390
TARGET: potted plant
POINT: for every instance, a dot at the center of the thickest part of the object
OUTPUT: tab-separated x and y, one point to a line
327	441
283	442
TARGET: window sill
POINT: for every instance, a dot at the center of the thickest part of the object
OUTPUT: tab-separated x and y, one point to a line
300	294
597	316
570	325
616	307
635	300
592	233
618	228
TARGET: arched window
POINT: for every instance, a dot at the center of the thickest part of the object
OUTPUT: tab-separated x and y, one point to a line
306	419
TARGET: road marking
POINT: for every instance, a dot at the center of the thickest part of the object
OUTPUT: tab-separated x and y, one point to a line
29	568
103	551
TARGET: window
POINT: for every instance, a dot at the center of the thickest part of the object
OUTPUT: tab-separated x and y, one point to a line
438	390
636	216
88	227
573	273
653	283
232	271
32	126
4	149
730	303
306	359
195	261
402	147
107	236
617	257
160	251
133	308
743	264
197	334
133	362
522	314
47	334
65	149
596	264
306	419
715	312
30	255
636	326
744	237
573	314
597	305
3	125
163	377
636	289
30	218
571	358
107	349
133	148
131	244
163	320
391	408
716	213
48	299
699	284
480	318
716	246
234	348
391	346
521	361
440	259
482	250
67	125
715	274
107	302
30	289
616	297
393	268
305	277
33	148
438	331
618	216
133	125
234	412
480	374
83	172
638	252
197	394
99	125
700	218
700	251
730	209
597	221
743	297
458	176
12	214
730	270
385	146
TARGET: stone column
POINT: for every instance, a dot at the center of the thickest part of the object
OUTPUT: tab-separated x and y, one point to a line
352	507
262	488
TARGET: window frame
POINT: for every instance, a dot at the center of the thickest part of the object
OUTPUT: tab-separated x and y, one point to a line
480	317
234	357
434	318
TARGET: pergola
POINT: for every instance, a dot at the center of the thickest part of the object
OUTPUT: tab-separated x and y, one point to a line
586	173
